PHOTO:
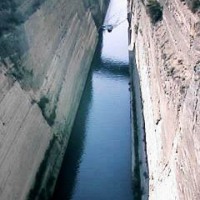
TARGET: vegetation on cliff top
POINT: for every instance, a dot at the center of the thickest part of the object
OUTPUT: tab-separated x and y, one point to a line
11	16
154	10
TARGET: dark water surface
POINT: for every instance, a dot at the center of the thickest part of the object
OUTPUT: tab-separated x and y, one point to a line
97	163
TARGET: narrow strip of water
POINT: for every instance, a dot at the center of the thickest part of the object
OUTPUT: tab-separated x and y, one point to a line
97	163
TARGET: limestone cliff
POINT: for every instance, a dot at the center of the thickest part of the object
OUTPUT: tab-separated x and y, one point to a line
167	54
46	47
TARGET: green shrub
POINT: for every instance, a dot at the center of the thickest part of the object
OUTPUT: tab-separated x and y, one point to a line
50	118
42	103
154	10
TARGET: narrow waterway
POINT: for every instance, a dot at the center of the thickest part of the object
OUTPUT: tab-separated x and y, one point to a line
97	163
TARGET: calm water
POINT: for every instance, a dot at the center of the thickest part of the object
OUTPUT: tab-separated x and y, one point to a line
97	164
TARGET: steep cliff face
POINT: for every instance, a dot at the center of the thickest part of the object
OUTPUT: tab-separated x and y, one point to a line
46	47
167	55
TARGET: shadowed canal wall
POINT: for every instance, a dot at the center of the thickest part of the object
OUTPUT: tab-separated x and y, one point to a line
46	48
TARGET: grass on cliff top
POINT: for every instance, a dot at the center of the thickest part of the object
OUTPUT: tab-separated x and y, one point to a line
154	10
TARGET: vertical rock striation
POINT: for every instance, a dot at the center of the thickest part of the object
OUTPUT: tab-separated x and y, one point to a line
167	54
46	48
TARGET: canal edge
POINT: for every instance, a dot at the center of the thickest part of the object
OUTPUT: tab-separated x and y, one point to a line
140	171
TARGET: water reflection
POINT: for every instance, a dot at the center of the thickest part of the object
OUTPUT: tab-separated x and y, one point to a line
72	159
110	64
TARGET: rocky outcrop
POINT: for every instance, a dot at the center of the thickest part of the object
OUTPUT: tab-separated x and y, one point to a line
167	55
46	48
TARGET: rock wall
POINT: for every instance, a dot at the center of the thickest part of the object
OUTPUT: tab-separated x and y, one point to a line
46	48
167	55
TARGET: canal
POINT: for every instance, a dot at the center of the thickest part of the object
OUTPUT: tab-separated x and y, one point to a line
97	163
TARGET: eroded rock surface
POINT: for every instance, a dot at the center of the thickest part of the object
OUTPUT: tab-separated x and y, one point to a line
46	48
168	61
